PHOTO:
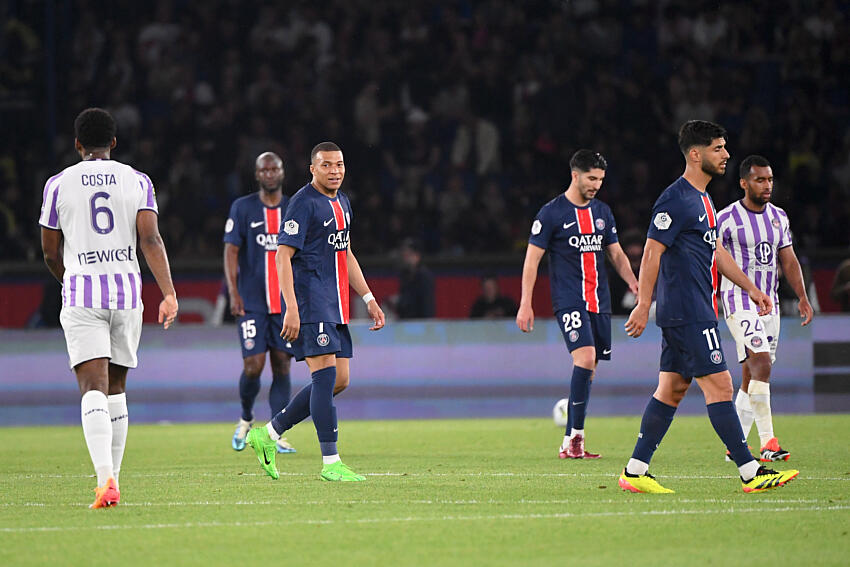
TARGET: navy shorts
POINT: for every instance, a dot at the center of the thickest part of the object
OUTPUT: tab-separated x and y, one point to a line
581	329
260	332
692	350
316	339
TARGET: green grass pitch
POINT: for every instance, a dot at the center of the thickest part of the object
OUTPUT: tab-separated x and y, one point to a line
442	492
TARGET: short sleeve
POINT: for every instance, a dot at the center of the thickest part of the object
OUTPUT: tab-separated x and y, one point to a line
293	227
49	217
668	220
611	229
724	228
785	239
147	197
541	229
234	228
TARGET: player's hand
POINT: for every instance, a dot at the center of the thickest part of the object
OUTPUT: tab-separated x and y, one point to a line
637	321
376	314
291	325
237	306
763	301
525	318
167	310
806	312
633	287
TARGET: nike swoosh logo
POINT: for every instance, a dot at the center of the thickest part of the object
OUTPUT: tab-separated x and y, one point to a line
265	458
577	403
702	218
327	222
606	351
566	226
335	430
256	224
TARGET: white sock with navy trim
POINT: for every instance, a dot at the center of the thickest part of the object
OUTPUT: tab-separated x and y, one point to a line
97	429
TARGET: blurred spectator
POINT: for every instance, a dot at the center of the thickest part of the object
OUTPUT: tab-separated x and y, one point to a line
840	291
416	291
622	299
491	304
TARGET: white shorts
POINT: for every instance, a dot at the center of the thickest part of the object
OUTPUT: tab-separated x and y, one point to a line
102	333
759	334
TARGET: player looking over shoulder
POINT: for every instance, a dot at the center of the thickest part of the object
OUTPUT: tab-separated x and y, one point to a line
577	230
756	232
250	244
91	216
315	265
681	256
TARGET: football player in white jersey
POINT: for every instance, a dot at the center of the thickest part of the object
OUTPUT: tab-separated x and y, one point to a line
756	233
91	216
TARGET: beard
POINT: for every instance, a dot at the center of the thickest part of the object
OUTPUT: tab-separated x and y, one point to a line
712	170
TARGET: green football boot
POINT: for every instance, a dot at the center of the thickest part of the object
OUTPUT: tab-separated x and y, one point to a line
265	448
339	472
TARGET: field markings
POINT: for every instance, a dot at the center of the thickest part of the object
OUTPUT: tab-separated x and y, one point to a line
406	519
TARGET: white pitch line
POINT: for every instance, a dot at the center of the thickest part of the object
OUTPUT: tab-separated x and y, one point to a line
477	518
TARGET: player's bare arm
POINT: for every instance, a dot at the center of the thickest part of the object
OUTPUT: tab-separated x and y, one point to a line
621	263
358	282
727	266
525	314
291	319
794	274
650	263
231	268
51	248
153	249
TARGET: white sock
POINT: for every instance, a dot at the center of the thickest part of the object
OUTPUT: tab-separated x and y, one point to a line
97	429
637	467
745	411
749	470
120	422
566	442
272	433
330	459
760	402
577	432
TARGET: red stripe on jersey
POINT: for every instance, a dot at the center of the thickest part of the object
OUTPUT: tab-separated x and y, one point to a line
272	285
709	210
712	223
588	263
341	266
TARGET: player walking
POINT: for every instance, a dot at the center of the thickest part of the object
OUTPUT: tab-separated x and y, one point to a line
250	243
680	253
90	217
755	232
578	230
315	264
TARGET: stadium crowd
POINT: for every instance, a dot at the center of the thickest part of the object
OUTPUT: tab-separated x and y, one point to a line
457	119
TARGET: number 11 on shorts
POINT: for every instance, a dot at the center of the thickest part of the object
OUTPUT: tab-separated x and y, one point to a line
711	337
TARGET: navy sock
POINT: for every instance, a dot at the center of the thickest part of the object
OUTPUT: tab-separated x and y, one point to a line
726	423
248	390
657	418
579	395
279	392
296	411
322	408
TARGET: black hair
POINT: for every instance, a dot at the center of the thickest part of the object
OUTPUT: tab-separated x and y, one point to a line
749	162
699	133
585	160
94	128
323	147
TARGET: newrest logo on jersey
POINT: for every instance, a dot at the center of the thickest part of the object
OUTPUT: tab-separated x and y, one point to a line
112	255
587	242
267	241
339	239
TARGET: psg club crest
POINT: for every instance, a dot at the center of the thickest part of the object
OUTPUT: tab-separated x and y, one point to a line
249	344
323	340
756	342
716	356
573	336
600	224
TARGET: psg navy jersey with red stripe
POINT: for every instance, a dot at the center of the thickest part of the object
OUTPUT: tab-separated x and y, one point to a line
253	227
684	220
576	238
318	228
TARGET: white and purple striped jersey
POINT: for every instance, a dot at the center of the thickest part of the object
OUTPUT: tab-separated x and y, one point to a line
94	203
753	239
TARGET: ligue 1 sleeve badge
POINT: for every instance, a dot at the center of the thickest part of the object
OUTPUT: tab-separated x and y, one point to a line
536	227
290	227
662	221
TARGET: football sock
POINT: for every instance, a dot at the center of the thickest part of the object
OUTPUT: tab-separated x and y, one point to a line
97	429
656	420
330	459
579	393
322	408
120	422
760	402
296	411
728	427
745	411
248	390
279	392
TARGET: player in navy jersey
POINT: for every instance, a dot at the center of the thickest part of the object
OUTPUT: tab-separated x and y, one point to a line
577	230
250	243
315	265
681	255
